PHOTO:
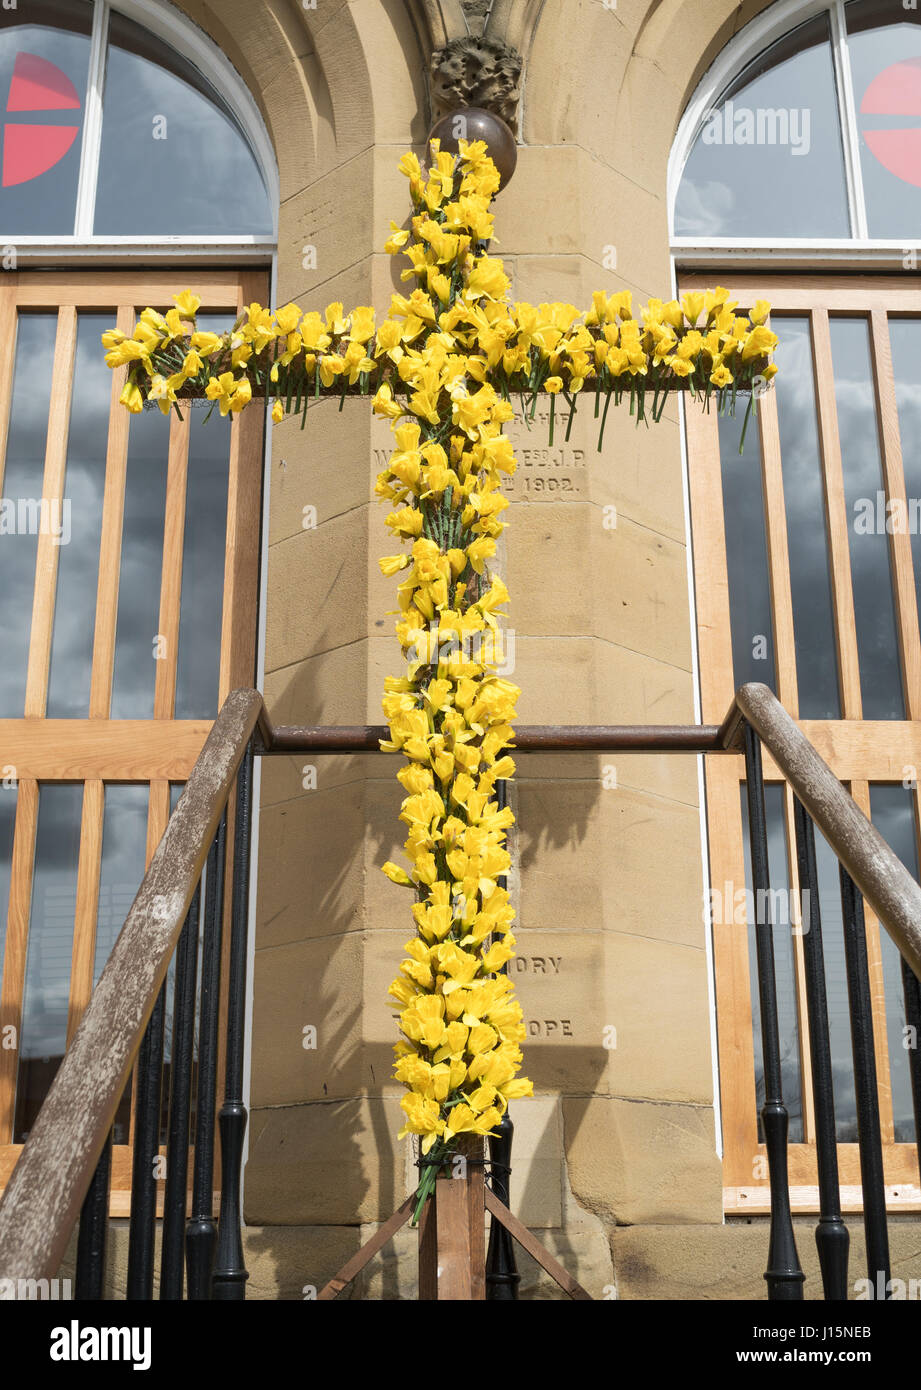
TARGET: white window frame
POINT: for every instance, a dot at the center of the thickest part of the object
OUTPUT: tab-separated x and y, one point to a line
763	253
176	30
760	253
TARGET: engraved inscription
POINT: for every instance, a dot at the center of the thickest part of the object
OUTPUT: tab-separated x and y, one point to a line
538	965
549	1027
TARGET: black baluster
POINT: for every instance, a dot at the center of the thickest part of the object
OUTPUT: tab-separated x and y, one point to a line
869	1135
784	1276
143	1217
502	1277
230	1274
911	988
832	1237
94	1225
177	1142
202	1228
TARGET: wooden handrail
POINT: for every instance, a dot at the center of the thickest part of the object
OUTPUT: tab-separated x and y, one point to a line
529	738
46	1189
882	878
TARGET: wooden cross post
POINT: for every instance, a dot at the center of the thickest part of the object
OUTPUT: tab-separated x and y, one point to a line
445	367
452	1236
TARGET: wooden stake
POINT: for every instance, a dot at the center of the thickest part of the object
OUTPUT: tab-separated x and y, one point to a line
460	1215
428	1253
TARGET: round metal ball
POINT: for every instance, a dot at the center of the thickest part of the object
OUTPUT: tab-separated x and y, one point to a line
473	123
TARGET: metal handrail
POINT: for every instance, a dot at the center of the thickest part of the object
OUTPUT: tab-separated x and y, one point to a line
48	1184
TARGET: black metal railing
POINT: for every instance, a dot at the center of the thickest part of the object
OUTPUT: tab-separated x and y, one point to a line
200	1257
179	912
784	1274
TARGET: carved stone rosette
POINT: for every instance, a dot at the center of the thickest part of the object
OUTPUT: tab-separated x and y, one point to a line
481	72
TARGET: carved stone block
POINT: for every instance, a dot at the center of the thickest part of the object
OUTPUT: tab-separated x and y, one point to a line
481	72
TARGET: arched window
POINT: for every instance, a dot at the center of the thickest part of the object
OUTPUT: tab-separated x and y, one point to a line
111	132
129	547
797	163
816	135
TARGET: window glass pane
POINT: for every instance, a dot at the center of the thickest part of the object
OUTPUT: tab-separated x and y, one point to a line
784	967
124	843
884	44
839	1014
905	337
20	514
892	812
874	610
172	153
124	846
44	64
137	623
204	547
80	526
175	791
746	553
804	504
7	827
50	948
768	161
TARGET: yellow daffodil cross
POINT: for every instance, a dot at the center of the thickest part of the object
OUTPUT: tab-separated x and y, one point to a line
444	368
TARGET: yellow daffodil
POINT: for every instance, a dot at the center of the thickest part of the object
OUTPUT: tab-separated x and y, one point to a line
442	367
187	304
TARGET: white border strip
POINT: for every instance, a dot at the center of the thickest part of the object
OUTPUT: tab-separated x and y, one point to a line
257	782
847	113
92	124
701	785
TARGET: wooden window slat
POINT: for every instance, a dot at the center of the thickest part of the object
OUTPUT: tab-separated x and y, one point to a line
710	567
837	522
46	563
171	577
241	577
17	936
730	954
778	554
906	606
87	908
110	542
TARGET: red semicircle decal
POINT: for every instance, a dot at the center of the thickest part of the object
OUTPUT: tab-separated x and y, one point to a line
899	151
896	91
38	85
30	150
